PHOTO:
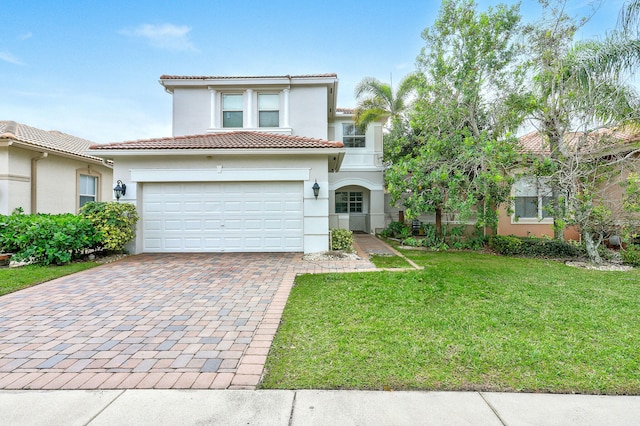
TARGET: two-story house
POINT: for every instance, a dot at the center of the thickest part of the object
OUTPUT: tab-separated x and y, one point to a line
263	163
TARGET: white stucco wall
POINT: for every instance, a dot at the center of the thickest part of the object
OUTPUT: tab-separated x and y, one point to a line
197	110
249	168
191	111
308	112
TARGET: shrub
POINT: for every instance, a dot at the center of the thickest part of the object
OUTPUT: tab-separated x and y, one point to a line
115	222
411	242
534	247
341	239
631	255
46	239
505	245
396	230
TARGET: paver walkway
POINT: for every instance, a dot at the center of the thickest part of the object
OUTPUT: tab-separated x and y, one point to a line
152	321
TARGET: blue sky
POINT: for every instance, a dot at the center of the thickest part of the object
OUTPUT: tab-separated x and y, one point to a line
91	68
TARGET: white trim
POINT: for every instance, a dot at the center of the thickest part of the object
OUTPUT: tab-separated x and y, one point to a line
275	130
285	109
213	107
250	122
333	186
530	220
219	174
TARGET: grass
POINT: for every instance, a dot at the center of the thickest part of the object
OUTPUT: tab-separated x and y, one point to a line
468	321
389	262
14	279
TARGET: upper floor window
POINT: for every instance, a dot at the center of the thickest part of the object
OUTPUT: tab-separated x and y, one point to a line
268	110
352	137
232	110
88	189
532	199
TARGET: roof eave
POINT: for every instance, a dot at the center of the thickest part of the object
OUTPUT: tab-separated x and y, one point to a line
170	83
109	153
38	148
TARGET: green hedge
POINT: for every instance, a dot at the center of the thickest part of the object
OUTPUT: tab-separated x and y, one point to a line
58	239
534	247
46	239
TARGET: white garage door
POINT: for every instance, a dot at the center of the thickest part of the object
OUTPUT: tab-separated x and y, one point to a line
228	216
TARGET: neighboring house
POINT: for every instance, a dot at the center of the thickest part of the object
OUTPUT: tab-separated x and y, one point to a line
528	215
48	171
239	172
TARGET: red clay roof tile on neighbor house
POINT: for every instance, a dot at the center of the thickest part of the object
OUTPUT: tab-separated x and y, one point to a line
534	143
346	110
204	77
51	140
231	140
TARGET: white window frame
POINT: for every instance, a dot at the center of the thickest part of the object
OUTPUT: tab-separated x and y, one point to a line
223	109
260	110
356	136
532	187
86	173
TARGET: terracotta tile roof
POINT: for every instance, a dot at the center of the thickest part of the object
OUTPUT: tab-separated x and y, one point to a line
51	140
534	143
230	140
346	110
203	77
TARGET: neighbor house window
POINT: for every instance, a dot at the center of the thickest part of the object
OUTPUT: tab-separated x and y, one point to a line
352	136
88	189
232	110
268	110
532	199
348	202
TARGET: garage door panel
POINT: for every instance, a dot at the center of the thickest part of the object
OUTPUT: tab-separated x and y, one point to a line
229	216
292	224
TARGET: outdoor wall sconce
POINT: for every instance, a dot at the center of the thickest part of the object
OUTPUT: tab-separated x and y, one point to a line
316	189
120	189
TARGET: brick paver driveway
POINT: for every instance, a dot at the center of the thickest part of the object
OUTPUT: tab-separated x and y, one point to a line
151	321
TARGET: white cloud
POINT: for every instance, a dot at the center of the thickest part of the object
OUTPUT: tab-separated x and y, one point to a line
25	36
164	36
8	57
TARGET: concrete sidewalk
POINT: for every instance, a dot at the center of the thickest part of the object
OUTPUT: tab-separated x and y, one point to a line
311	407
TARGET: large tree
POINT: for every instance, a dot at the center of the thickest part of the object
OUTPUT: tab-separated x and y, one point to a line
584	87
452	154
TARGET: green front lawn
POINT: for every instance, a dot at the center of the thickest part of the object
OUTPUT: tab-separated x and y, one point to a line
389	262
14	279
468	321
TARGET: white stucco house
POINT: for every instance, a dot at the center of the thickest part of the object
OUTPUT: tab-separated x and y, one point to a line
239	172
47	171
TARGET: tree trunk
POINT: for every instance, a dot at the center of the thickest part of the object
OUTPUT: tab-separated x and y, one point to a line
439	222
558	223
592	247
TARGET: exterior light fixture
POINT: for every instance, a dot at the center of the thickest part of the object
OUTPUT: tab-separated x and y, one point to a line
316	189
119	190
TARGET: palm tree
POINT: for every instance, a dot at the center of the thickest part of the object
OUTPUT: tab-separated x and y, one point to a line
630	16
616	56
377	100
